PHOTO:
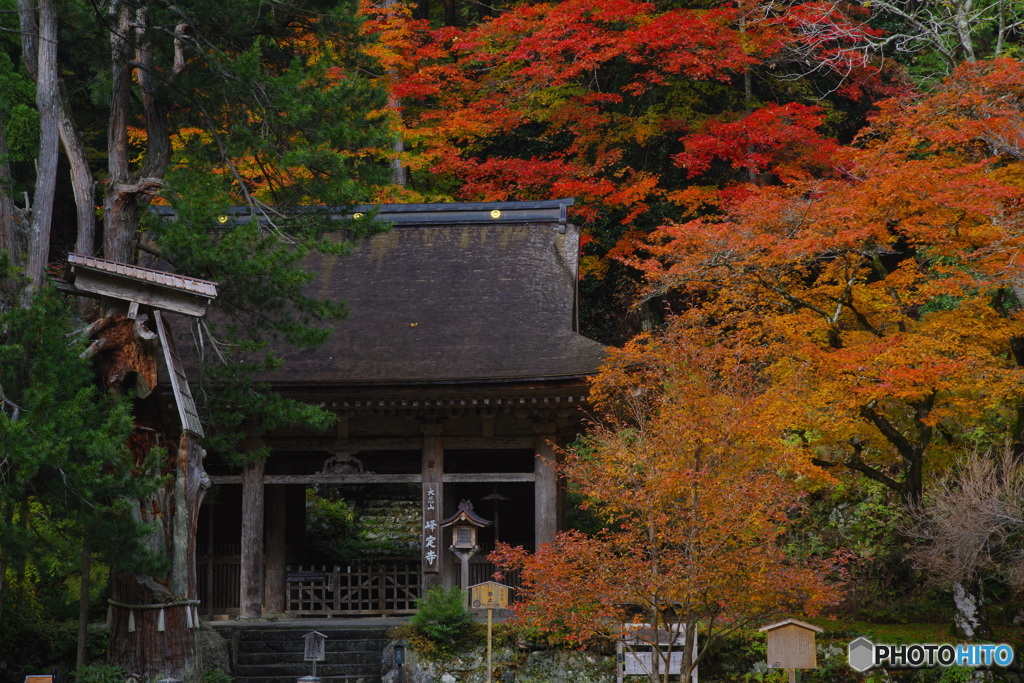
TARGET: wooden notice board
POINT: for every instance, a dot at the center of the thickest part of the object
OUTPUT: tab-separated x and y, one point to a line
488	595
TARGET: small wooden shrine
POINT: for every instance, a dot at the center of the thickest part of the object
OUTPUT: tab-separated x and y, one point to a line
457	373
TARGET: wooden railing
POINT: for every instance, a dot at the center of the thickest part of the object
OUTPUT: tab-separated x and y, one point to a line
354	589
321	590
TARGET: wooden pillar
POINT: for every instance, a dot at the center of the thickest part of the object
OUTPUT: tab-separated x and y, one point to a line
432	552
209	558
251	596
545	490
276	540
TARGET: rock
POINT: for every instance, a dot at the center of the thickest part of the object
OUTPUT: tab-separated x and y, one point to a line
214	651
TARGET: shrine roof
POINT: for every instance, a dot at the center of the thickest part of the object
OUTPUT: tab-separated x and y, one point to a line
455	300
451	293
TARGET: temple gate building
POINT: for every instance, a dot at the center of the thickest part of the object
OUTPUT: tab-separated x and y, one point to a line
458	370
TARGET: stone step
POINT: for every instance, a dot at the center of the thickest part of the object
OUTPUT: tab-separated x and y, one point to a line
297	658
296	671
291	634
324	679
290	647
276	655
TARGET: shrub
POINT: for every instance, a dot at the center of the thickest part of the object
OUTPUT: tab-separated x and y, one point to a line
443	623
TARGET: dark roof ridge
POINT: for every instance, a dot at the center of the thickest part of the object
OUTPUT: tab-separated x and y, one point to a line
448	213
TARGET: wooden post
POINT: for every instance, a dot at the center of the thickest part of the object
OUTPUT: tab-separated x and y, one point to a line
432	472
490	666
276	541
209	559
251	594
545	490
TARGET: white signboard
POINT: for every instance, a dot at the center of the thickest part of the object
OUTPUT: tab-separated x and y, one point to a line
636	651
639	663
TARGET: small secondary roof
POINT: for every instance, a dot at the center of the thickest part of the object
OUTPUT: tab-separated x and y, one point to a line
157	288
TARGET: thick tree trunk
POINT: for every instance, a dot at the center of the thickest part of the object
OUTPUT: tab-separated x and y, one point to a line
451	13
47	104
150	635
155	620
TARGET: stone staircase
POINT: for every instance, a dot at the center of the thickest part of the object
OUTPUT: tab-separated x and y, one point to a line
266	654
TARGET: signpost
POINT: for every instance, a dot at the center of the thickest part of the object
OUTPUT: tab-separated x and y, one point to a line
641	644
489	595
316	649
791	646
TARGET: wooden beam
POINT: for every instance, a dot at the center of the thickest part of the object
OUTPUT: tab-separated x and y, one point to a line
165	298
465	443
453	443
317	478
488	477
450	478
351	445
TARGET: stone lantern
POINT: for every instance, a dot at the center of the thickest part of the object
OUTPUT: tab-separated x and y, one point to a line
464	524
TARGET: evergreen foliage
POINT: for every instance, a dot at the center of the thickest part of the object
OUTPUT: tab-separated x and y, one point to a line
65	476
443	623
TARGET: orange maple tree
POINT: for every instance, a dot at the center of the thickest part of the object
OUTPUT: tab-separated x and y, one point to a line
593	98
883	301
695	495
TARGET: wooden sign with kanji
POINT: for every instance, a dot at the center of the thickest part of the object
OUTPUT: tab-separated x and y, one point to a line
488	595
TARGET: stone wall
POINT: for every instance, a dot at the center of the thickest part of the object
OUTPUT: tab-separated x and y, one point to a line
546	666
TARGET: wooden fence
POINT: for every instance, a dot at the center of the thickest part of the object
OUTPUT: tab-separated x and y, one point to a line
321	590
354	589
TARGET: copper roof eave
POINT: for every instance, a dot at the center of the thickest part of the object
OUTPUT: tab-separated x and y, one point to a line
468	381
466	513
452	213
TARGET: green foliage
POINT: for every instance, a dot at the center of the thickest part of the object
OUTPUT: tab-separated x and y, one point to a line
216	676
956	674
443	623
31	645
100	673
341	526
861	520
65	474
279	121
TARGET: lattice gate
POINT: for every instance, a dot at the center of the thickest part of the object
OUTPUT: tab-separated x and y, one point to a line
377	589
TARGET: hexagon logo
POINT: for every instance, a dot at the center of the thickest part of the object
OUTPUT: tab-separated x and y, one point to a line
862	654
